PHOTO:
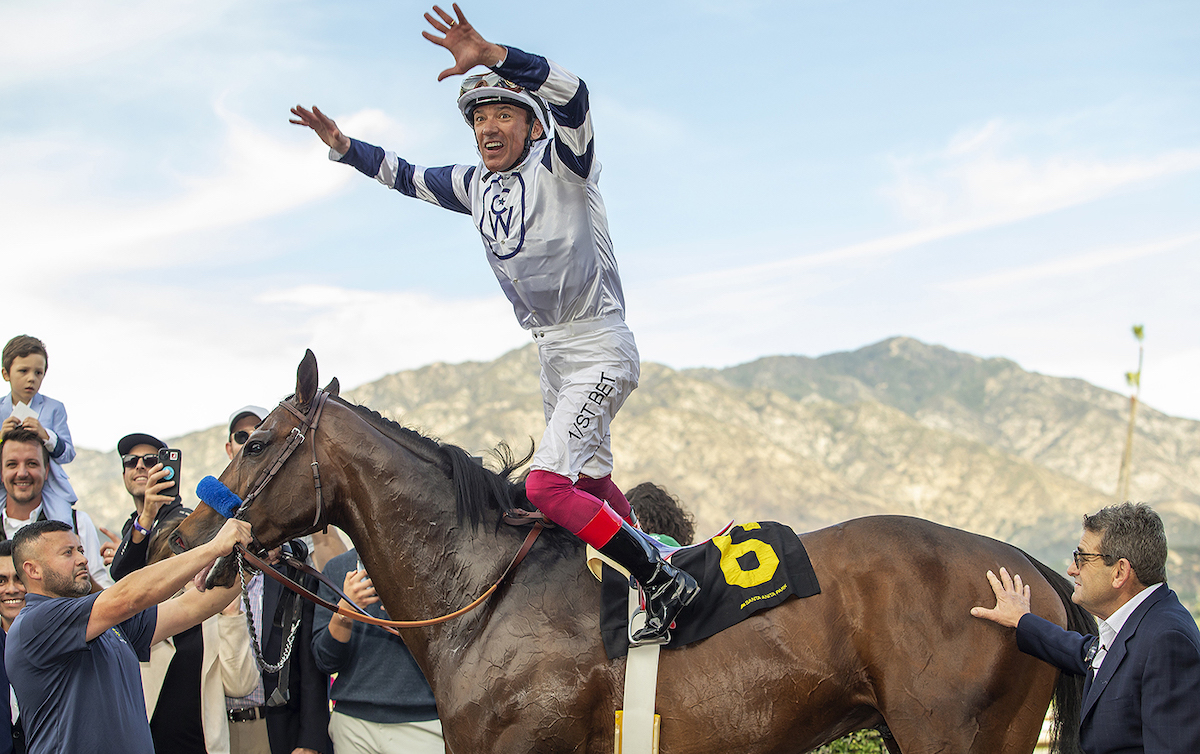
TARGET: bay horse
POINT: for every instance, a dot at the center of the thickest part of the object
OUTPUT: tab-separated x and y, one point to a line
889	642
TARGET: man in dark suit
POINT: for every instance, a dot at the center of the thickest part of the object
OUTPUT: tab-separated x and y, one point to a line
297	706
1142	687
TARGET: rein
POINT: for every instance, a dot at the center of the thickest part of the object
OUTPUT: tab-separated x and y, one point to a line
362	615
308	424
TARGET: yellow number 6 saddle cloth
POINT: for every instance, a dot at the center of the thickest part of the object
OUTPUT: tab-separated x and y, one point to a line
748	568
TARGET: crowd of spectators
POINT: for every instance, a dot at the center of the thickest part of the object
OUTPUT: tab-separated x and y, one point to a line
105	652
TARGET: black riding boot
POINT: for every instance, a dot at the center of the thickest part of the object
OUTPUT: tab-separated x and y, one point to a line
668	589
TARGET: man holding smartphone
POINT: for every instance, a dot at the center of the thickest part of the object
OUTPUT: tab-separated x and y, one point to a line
154	508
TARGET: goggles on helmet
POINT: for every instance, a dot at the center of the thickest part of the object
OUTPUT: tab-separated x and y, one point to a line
487	79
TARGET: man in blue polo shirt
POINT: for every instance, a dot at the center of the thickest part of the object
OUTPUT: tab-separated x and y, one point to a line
72	656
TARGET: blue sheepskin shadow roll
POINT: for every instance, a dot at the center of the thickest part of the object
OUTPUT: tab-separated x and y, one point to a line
217	496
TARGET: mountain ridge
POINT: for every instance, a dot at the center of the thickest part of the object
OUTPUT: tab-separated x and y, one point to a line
898	426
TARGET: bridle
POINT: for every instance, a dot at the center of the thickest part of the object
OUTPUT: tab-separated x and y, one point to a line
308	426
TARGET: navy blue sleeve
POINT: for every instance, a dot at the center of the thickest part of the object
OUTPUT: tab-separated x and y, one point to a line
434	185
139	632
1170	690
524	69
363	157
6	744
1054	644
567	97
573	114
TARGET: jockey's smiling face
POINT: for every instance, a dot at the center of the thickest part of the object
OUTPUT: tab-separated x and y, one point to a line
500	132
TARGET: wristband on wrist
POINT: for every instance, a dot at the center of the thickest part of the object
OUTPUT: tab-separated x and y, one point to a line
137	525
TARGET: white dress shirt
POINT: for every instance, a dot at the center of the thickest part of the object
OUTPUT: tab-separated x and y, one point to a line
1110	627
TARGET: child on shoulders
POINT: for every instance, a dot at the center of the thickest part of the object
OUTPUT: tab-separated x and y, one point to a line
24	367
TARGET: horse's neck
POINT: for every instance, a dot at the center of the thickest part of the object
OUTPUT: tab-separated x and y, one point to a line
400	512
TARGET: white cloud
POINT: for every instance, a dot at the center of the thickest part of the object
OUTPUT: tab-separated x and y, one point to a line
1171	382
965	188
57	36
367	334
1070	266
980	175
172	360
60	208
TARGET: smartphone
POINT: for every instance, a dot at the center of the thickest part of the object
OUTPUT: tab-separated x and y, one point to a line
171	459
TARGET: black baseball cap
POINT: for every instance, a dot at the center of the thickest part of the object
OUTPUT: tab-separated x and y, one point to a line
129	442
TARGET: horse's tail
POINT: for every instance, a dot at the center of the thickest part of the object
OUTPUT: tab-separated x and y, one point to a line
1068	692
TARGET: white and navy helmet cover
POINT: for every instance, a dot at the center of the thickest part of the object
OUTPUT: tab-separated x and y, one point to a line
492	89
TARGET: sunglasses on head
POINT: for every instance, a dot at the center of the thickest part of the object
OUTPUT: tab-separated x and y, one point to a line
241	436
130	461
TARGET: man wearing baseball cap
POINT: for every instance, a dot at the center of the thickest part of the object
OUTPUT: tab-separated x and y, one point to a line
241	423
153	511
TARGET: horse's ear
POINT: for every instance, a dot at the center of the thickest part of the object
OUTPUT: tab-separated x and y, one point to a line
306	378
333	387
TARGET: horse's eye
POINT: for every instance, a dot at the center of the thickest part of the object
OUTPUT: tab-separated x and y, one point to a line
254	447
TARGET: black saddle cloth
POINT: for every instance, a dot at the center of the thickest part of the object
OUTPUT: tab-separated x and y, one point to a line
752	567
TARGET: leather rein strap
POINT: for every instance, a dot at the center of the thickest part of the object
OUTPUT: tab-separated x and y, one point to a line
362	615
308	423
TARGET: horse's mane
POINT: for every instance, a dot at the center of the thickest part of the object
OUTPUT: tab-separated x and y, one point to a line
477	489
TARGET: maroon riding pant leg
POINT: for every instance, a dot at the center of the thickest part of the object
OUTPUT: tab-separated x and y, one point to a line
579	512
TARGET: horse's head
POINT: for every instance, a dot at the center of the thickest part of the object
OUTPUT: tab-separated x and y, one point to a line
274	474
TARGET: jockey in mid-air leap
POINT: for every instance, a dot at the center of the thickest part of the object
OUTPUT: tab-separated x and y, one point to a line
535	202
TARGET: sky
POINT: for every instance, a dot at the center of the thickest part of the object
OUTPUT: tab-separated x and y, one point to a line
1017	179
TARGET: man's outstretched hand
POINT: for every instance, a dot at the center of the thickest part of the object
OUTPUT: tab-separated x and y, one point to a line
464	43
323	125
1012	600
